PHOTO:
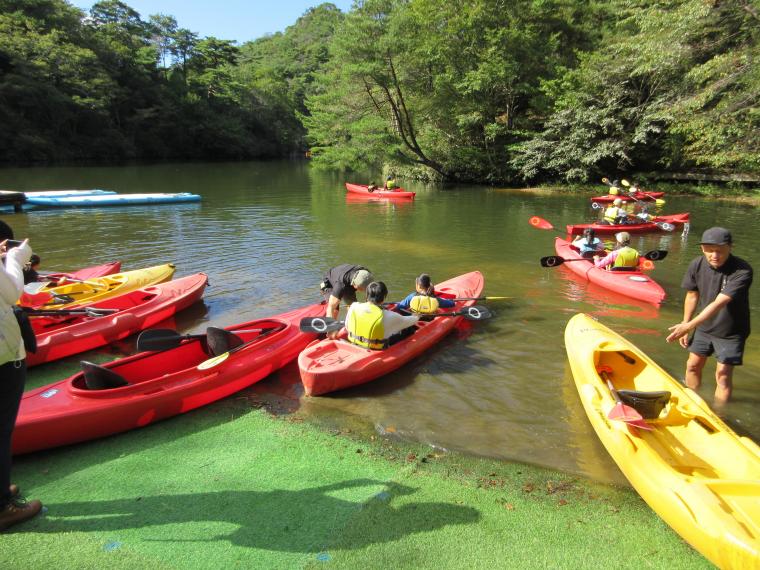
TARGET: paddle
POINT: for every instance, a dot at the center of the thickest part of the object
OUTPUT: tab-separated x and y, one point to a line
89	311
666	226
555	260
321	325
462	299
164	339
620	411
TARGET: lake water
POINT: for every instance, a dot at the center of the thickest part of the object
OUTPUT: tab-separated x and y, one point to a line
266	232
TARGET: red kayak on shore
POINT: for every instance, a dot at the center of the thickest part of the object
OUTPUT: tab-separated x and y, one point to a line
84	274
362	189
329	365
150	386
644	196
658	223
634	284
62	335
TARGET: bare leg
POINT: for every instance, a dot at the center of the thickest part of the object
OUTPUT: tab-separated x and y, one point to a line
694	366
724	374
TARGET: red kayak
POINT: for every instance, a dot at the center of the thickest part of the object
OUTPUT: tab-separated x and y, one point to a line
362	189
634	284
84	274
67	334
160	384
657	224
644	196
330	365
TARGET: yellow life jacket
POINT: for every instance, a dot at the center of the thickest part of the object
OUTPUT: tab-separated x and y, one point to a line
423	304
365	326
390	184
628	257
611	214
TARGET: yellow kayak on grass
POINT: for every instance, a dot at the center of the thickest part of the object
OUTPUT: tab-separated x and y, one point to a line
691	468
80	292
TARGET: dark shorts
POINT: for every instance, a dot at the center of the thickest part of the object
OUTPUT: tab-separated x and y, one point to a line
728	350
349	295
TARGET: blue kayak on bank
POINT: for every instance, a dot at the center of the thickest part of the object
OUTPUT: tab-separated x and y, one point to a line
111	200
65	193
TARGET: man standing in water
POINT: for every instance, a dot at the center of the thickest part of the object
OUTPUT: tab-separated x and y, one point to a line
717	289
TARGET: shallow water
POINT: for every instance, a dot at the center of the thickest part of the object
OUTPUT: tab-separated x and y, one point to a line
265	233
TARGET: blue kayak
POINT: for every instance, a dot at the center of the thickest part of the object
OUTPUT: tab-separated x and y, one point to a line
112	200
65	193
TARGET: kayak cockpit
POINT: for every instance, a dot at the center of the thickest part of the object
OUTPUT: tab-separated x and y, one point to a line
157	369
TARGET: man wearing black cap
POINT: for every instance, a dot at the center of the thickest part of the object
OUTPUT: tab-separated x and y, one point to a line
717	291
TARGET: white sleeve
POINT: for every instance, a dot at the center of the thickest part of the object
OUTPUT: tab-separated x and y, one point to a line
394	322
12	273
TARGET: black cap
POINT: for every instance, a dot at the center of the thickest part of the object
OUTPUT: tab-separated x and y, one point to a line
716	236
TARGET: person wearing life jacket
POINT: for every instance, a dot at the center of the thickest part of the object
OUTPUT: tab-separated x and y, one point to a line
615	214
588	244
423	300
623	257
390	183
370	326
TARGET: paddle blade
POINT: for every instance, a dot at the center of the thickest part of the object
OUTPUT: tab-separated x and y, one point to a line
596	206
211	362
476	313
625	183
656	254
158	339
540	223
659	202
552	261
319	325
622	413
665	226
606	181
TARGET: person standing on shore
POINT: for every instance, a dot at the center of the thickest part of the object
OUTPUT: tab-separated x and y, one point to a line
12	379
717	292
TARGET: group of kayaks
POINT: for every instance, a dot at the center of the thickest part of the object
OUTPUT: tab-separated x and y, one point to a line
634	283
176	373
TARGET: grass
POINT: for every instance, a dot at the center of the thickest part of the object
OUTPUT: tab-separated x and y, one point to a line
232	486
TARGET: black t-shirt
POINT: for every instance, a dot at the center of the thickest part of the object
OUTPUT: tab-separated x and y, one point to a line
339	279
733	278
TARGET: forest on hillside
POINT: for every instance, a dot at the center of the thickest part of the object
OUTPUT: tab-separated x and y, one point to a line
489	91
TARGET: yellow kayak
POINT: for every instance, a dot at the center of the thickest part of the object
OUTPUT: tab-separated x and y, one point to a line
79	292
691	468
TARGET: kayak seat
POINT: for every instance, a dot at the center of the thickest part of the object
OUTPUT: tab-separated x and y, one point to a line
401	335
101	378
220	340
648	404
624	268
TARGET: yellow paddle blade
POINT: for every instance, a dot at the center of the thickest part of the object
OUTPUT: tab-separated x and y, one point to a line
211	362
659	201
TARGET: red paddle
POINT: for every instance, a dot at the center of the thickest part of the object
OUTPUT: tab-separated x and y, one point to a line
622	412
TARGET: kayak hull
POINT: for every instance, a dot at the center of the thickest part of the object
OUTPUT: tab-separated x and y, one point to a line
634	284
62	336
87	272
675	219
335	364
112	200
692	469
362	189
163	384
98	289
628	197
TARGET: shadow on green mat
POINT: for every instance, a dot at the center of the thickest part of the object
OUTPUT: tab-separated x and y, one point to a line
271	520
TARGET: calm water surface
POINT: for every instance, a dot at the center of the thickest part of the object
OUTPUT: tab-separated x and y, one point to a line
265	233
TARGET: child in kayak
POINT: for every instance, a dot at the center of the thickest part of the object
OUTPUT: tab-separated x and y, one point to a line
371	326
588	244
423	299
